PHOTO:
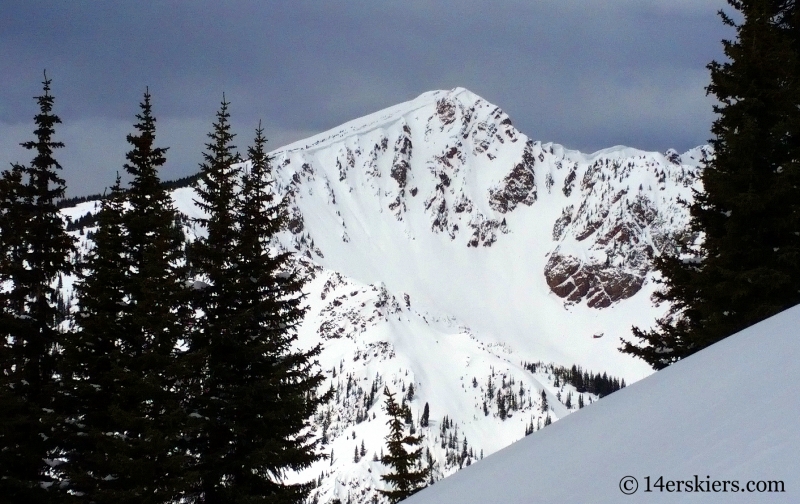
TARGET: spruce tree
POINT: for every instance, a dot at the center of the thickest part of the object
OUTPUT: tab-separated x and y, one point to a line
35	254
407	476
211	254
148	464
93	398
748	265
268	387
211	356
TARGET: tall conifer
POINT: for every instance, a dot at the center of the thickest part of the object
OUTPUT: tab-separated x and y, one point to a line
748	214
407	476
150	464
35	254
214	340
212	253
94	395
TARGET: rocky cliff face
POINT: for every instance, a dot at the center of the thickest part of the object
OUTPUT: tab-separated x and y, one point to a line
626	211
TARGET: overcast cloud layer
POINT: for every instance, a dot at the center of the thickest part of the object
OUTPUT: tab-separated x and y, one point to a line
587	74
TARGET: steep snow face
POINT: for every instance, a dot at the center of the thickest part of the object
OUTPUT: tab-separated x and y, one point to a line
711	415
449	252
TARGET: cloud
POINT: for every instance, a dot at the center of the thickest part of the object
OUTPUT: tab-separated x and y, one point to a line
584	73
94	148
638	111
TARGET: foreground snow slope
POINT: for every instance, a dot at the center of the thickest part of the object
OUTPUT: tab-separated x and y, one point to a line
728	412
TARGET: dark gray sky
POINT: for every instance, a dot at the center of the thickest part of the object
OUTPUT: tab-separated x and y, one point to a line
588	74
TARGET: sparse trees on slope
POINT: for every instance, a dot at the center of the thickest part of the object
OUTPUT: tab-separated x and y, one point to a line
35	253
407	476
748	266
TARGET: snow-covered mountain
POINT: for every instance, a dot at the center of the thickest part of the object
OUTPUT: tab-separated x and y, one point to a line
451	252
712	417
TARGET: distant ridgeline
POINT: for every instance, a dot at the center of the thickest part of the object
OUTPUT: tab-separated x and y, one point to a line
583	381
88	219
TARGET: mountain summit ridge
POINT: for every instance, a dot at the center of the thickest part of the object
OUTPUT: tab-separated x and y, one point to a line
452	165
373	120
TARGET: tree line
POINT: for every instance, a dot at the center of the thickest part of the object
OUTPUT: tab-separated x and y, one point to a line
174	377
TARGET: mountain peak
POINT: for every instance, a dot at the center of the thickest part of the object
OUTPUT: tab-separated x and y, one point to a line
382	118
449	250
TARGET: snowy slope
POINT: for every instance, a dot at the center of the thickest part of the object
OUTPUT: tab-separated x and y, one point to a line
446	250
715	414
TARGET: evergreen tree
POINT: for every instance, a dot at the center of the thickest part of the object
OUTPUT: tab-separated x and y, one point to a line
212	341
409	418
147	464
215	187
748	265
268	388
529	428
35	254
407	477
425	419
158	315
577	379
92	399
501	406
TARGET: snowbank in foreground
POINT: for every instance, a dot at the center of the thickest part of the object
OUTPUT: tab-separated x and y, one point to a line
728	413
